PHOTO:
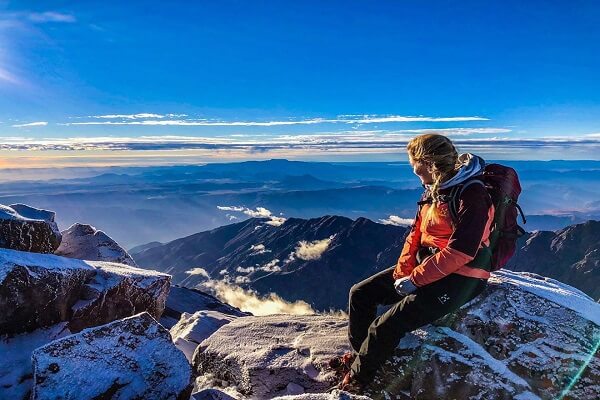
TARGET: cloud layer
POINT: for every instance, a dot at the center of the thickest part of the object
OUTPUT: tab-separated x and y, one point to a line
250	301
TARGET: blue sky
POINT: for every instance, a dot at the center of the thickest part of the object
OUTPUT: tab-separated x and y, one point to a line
256	79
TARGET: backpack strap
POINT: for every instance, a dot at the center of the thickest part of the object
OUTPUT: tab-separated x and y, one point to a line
455	195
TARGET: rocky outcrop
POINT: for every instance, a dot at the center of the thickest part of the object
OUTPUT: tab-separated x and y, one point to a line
38	290
126	359
28	229
45	297
525	337
261	356
192	329
87	243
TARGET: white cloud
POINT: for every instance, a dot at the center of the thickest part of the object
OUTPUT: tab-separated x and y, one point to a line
198	271
243	270
396	220
365	119
257	249
8	77
259	212
41	123
51	16
271	266
136	116
312	250
250	301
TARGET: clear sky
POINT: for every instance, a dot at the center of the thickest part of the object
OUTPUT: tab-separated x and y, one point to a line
103	81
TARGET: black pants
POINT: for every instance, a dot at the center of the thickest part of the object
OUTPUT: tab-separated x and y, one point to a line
375	338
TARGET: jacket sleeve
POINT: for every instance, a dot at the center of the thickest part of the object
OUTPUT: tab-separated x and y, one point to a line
474	218
408	256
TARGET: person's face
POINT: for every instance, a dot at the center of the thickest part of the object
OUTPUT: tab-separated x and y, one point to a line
422	170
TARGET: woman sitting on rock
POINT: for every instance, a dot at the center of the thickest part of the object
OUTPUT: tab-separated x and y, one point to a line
431	278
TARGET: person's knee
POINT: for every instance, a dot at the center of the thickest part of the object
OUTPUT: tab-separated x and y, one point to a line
356	292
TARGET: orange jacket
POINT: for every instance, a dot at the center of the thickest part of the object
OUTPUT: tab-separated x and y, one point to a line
457	244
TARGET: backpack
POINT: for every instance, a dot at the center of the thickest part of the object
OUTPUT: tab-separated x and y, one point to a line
503	186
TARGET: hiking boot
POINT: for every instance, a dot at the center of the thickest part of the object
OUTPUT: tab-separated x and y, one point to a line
342	363
351	385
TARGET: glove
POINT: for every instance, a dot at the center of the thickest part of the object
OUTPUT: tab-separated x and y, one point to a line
404	286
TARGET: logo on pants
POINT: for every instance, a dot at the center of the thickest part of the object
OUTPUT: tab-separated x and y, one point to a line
443	298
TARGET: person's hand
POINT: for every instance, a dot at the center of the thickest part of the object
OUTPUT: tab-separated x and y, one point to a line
404	286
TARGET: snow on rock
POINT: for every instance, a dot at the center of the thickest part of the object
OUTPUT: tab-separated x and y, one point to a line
87	243
335	395
118	291
126	359
192	329
524	337
189	300
28	229
38	290
262	355
54	296
16	372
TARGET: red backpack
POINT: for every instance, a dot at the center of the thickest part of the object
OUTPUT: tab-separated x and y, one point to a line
502	184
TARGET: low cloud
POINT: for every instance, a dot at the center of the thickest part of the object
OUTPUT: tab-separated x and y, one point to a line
257	249
30	124
247	300
259	212
198	271
312	250
396	220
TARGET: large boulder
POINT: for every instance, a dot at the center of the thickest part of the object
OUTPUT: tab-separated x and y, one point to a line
118	291
126	359
192	329
39	290
87	243
525	337
28	229
263	355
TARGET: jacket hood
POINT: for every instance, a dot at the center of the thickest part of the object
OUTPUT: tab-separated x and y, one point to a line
471	165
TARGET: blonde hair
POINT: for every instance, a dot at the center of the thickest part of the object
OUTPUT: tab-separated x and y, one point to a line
439	153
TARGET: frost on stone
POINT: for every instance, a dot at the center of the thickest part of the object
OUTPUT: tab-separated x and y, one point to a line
30	229
87	243
262	355
39	290
192	329
126	359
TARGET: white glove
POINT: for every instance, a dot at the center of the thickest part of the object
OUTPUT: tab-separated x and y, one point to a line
404	286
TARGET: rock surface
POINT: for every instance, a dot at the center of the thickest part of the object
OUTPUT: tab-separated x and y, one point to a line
28	229
87	243
126	359
262	355
525	337
38	290
192	329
